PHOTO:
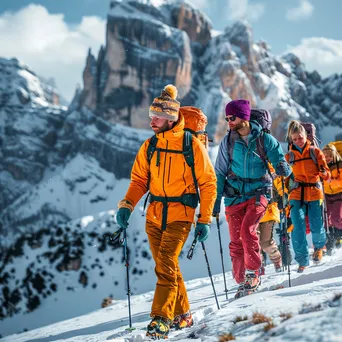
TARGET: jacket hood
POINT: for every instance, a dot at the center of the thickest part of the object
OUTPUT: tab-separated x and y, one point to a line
255	128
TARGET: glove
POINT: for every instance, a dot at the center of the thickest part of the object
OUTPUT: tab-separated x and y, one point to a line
322	171
217	208
204	231
122	217
283	169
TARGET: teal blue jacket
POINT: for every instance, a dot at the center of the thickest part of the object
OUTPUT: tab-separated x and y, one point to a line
246	163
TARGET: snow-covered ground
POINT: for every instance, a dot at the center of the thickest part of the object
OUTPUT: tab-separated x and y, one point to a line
304	312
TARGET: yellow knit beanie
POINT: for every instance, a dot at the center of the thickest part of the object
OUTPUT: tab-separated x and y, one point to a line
166	105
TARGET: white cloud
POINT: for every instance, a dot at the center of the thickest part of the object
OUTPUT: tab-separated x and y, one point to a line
48	45
242	9
303	11
321	54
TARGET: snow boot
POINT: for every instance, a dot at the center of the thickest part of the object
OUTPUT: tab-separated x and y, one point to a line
301	269
159	328
278	266
240	292
252	281
318	255
182	321
251	284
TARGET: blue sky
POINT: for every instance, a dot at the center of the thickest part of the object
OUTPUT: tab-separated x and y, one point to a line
52	36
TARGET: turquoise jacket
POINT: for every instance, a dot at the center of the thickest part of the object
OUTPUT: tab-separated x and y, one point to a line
247	166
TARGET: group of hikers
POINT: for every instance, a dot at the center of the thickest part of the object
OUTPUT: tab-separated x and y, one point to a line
258	182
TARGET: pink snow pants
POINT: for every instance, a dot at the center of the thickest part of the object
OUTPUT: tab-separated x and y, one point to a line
244	248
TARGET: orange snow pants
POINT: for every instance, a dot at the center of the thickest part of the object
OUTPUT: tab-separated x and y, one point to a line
170	297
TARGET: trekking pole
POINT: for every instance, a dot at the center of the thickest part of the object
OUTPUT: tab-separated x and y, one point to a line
325	213
324	206
221	252
127	278
116	236
287	244
192	248
190	255
209	272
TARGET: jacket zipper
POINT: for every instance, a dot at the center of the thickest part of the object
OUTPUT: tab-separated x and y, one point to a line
168	178
184	173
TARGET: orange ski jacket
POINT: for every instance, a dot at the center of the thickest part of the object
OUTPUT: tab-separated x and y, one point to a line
307	172
334	186
172	177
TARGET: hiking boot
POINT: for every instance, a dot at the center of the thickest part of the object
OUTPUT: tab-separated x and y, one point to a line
182	321
278	266
240	291
324	251
301	269
159	328
318	255
252	281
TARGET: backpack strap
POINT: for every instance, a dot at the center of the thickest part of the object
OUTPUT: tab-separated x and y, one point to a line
313	154
230	146
152	146
189	158
313	157
260	144
195	133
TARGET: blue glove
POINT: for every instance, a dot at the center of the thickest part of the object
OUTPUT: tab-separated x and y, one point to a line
122	217
204	229
283	169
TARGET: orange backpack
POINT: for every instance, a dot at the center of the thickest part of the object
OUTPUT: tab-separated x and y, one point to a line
195	123
338	145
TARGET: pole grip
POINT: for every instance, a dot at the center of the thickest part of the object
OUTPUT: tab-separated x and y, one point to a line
192	247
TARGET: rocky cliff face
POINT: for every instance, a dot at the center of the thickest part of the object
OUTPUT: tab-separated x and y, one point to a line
148	47
41	141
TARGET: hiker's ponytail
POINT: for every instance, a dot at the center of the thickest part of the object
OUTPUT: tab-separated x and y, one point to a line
332	150
294	128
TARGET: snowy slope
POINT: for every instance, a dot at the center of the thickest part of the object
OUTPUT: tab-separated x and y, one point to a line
312	306
58	266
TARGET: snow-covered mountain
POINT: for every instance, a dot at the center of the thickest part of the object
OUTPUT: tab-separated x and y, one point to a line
309	311
148	47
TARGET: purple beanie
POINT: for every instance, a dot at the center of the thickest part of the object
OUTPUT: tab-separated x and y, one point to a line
239	108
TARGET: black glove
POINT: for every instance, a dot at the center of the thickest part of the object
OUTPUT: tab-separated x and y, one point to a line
217	208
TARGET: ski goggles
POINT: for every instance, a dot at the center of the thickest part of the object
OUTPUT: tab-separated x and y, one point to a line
232	118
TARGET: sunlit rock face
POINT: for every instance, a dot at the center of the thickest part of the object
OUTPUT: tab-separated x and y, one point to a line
148	47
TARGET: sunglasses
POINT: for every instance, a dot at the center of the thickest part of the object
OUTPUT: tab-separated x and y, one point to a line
232	118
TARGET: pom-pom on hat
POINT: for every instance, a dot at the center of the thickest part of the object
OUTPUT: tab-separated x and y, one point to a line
239	108
166	106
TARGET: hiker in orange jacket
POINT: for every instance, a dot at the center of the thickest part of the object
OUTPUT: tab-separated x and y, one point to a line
170	214
333	195
306	193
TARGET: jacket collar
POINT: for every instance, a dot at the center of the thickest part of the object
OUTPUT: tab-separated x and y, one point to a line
254	133
255	128
295	148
